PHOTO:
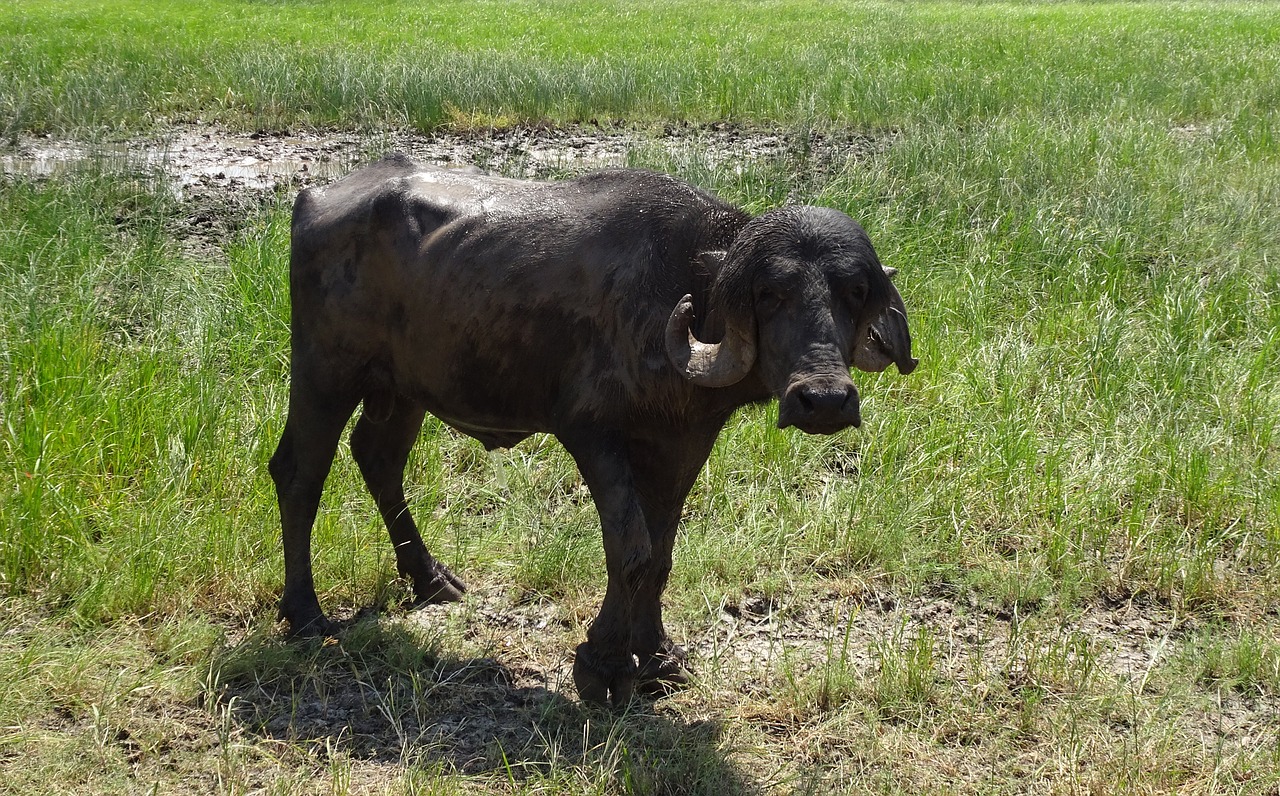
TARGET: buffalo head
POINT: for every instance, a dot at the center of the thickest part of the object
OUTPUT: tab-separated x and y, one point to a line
803	297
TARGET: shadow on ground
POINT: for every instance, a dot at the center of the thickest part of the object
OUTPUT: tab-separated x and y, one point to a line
376	692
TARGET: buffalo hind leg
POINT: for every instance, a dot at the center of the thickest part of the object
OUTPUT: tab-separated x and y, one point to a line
381	449
299	468
665	470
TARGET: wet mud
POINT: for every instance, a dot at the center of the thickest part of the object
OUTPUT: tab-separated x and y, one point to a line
196	160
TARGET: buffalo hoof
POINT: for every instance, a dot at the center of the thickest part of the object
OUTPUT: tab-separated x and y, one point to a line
439	585
603	680
664	672
311	624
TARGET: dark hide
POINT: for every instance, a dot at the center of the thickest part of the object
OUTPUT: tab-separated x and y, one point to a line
507	308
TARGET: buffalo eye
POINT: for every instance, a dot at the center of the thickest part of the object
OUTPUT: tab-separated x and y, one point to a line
768	300
855	293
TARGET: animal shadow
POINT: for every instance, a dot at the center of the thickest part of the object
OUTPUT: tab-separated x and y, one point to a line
377	693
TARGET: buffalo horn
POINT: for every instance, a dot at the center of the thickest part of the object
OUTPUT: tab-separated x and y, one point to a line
708	364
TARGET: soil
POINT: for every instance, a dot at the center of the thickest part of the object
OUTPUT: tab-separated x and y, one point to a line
511	699
221	177
198	159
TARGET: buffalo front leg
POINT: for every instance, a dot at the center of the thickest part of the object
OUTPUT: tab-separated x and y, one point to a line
665	470
604	668
381	449
299	468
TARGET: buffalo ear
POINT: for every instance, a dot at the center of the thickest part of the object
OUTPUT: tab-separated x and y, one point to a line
889	271
712	261
705	267
888	340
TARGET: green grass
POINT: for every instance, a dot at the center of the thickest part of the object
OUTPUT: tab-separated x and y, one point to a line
124	65
1049	556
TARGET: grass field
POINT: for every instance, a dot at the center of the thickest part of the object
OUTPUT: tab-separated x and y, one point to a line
1048	562
126	64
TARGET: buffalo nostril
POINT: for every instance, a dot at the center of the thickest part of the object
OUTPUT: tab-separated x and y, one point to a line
822	400
850	400
820	408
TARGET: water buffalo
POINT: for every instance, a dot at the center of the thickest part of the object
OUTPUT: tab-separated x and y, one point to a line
626	312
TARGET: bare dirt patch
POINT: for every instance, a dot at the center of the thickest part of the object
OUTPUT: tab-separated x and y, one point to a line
221	177
493	691
202	159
